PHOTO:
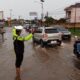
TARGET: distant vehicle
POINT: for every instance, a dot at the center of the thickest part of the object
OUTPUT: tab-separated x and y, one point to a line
34	27
27	27
66	34
47	35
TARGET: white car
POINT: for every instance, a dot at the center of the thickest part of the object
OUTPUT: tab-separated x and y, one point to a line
47	35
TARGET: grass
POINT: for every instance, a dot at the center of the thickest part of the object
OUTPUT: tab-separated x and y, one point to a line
75	31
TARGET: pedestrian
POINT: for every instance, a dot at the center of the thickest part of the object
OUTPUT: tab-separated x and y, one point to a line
2	31
19	46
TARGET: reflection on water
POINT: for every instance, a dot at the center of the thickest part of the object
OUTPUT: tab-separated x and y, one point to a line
17	78
41	53
77	63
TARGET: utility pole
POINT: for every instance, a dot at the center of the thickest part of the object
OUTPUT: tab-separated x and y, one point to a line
47	15
75	21
11	13
10	17
42	14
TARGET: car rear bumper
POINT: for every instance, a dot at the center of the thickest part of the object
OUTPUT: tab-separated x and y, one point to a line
66	36
52	41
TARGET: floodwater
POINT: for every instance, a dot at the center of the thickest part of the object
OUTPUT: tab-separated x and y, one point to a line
50	63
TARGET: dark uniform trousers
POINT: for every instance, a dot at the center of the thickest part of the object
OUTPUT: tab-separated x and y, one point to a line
19	51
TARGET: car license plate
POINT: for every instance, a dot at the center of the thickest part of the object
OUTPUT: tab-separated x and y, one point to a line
53	42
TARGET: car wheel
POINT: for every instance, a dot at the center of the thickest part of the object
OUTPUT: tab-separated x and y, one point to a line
78	56
59	43
70	38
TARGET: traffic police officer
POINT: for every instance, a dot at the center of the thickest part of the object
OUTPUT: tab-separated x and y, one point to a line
19	46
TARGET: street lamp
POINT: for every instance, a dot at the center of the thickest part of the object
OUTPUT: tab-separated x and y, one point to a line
42	12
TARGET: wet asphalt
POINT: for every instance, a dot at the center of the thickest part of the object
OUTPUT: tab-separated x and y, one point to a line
50	63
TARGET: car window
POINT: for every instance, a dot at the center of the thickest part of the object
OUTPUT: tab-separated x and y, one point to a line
62	29
38	31
51	31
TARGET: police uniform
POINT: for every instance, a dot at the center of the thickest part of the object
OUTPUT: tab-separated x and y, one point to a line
19	45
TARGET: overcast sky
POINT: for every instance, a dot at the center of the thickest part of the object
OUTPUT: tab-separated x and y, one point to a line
23	7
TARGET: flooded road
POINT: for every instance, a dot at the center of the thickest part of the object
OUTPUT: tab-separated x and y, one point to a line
50	63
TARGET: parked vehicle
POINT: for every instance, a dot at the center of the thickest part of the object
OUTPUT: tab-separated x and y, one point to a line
47	35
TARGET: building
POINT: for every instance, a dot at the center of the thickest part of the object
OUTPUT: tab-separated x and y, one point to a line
73	13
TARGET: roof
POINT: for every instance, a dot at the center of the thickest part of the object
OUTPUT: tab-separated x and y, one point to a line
77	5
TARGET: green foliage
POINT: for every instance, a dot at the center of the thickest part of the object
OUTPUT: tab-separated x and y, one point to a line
49	20
6	23
75	31
62	20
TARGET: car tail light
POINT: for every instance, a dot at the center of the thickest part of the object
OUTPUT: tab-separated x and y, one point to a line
61	33
45	36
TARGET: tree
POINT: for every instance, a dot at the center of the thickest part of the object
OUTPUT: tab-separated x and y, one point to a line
62	20
49	21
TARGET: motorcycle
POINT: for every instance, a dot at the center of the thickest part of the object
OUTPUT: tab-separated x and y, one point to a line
76	49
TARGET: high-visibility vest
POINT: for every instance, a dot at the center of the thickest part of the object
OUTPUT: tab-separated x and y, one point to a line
21	38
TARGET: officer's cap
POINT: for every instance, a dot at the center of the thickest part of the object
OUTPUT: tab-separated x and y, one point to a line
19	27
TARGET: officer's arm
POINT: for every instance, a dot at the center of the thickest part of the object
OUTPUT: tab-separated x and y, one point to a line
14	32
28	37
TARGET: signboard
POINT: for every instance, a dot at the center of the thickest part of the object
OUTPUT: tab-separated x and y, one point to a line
33	13
42	0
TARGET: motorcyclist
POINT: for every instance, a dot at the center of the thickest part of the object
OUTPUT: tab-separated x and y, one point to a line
77	47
